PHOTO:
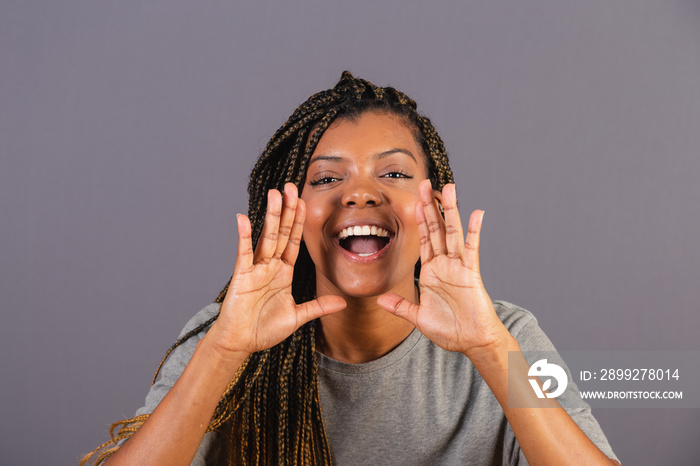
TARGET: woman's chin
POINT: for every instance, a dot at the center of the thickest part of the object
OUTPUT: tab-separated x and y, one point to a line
372	287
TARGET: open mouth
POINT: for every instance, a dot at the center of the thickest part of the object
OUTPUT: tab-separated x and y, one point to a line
365	240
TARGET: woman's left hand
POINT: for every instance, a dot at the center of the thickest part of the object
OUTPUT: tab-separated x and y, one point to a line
455	312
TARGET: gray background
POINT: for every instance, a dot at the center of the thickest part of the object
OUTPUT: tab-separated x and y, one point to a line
128	129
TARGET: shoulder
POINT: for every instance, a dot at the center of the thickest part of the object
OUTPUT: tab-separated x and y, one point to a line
523	325
201	318
193	332
177	360
514	317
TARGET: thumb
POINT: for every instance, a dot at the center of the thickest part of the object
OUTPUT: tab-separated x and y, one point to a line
399	306
321	306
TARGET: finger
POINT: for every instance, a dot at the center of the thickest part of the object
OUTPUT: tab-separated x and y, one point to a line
426	249
267	244
289	209
399	306
433	218
244	256
321	306
454	237
471	244
289	255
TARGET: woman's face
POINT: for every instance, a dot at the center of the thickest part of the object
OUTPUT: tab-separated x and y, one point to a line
361	191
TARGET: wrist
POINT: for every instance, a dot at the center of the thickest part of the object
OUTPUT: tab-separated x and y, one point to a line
221	355
227	339
493	355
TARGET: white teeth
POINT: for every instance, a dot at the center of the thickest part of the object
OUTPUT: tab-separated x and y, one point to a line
364	230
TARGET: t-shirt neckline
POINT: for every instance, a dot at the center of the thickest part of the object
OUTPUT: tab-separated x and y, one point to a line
392	357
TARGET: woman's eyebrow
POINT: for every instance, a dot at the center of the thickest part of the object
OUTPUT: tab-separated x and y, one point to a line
387	153
331	158
380	155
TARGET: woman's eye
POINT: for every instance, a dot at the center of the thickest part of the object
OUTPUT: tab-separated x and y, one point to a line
322	180
397	174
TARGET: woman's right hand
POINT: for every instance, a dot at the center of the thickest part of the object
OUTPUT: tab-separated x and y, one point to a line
259	311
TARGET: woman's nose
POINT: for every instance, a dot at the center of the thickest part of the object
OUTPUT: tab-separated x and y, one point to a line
361	194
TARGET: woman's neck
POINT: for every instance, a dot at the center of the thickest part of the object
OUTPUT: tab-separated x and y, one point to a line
363	331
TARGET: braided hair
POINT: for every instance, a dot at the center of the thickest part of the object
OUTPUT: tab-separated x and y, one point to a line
270	412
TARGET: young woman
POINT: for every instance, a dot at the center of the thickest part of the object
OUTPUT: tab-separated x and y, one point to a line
356	328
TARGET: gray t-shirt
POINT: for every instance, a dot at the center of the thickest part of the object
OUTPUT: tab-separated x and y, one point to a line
417	405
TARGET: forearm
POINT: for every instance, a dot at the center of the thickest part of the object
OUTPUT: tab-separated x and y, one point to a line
546	434
173	432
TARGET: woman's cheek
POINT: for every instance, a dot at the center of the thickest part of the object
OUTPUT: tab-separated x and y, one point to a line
313	229
410	212
410	223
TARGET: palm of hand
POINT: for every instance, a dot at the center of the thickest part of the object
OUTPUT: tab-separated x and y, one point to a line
259	310
265	291
455	311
